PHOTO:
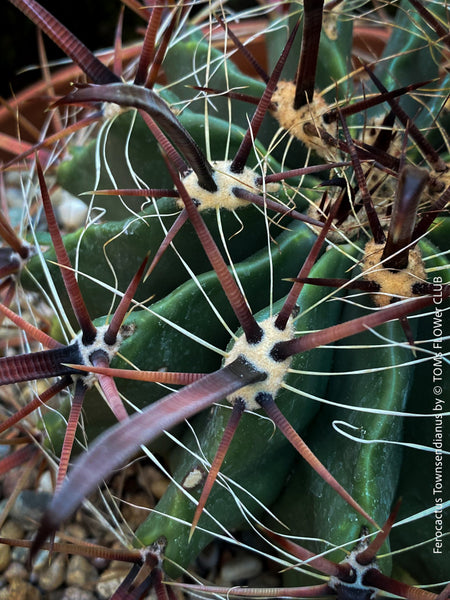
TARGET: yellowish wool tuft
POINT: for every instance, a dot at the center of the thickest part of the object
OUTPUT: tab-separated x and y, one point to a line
259	356
393	284
294	120
225	181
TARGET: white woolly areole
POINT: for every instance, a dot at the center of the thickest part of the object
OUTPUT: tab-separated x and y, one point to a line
293	120
193	478
225	180
359	571
157	548
98	344
392	283
258	355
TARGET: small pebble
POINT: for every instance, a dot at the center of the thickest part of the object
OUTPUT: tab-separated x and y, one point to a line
40	560
5	557
71	211
46	483
151	479
80	572
54	575
29	508
77	531
100	563
11	529
159	487
74	593
19	589
16	570
19	555
105	589
32	593
55	595
110	580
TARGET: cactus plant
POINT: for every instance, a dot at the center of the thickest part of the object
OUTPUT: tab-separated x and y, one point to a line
227	192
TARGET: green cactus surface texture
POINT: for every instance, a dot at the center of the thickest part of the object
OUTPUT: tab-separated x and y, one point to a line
225	252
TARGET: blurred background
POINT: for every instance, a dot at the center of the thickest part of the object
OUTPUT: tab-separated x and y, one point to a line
93	22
